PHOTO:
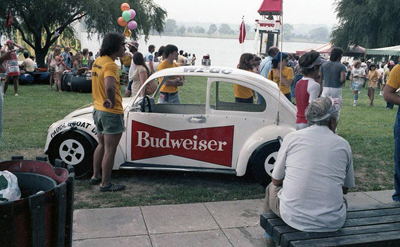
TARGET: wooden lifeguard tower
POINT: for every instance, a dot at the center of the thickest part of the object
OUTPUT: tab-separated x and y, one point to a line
269	26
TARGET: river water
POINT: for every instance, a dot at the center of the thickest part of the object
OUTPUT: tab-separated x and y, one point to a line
223	52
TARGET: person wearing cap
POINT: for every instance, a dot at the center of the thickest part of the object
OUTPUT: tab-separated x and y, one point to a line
108	113
333	74
357	79
317	169
12	67
390	66
389	94
169	90
281	71
308	88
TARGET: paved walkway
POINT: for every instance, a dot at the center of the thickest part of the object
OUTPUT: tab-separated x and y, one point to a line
219	224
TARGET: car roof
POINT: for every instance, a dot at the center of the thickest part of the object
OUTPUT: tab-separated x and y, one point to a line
217	72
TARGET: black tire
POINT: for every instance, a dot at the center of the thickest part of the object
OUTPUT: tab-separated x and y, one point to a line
262	162
74	148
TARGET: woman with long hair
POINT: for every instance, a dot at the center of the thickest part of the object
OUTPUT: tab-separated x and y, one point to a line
373	76
140	75
244	94
279	67
85	58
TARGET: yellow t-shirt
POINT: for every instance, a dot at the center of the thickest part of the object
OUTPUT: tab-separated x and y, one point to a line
104	67
287	72
242	92
394	77
166	65
126	60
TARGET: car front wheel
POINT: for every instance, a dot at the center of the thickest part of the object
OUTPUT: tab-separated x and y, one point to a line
74	148
262	161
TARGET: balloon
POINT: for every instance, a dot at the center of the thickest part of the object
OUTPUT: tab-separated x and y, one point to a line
132	25
127	33
133	13
124	7
121	21
126	15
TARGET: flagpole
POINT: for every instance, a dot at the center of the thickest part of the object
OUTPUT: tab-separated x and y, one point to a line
280	69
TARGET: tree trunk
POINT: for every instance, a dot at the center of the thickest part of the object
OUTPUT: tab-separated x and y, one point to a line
40	57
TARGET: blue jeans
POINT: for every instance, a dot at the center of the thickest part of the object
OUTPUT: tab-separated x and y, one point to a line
171	98
396	195
293	87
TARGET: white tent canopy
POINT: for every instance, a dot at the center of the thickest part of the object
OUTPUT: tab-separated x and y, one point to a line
389	51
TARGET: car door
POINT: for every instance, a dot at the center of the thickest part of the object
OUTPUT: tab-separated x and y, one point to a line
180	135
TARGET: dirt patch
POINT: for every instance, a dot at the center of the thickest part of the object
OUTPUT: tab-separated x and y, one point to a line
28	153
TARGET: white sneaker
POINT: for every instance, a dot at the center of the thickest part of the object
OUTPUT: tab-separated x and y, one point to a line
16	94
381	93
355	104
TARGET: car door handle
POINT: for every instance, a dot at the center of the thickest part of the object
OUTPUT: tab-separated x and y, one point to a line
197	119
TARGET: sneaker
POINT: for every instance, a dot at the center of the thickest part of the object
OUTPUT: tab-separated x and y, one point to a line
381	93
354	104
16	94
95	181
112	187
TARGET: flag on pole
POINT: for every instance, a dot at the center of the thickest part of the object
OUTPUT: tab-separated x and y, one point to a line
9	20
242	32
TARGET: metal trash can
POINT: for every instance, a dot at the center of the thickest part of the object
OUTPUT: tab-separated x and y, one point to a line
43	215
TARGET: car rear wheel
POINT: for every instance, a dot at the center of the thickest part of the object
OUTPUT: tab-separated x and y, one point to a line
74	148
262	161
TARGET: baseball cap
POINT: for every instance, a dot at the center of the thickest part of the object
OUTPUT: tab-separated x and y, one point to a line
134	44
277	57
391	63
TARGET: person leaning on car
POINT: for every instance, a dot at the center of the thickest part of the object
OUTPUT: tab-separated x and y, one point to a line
108	114
310	176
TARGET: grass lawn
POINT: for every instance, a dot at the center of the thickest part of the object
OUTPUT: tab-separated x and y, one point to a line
27	117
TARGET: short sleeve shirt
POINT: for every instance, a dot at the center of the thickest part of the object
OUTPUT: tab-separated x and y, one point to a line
104	67
287	73
314	173
358	72
331	74
394	77
166	65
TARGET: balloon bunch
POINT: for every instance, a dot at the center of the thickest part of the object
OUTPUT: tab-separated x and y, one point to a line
126	19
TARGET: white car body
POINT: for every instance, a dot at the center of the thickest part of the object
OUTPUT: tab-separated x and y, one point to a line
213	137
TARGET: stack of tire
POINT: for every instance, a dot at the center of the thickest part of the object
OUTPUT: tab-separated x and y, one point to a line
76	83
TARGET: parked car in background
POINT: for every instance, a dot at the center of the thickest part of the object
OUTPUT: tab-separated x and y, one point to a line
206	132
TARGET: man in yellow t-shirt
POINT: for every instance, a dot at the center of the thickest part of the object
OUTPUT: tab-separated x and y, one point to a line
389	94
279	61
108	114
169	90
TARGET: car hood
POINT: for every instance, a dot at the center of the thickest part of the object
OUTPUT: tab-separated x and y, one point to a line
88	109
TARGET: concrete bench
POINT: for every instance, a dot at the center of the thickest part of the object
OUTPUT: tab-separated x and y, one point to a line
375	226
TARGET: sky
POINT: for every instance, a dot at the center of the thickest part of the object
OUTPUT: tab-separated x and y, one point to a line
231	11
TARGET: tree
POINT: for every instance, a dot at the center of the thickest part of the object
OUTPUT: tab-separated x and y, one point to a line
287	31
198	29
182	30
370	24
225	29
170	26
212	29
41	22
320	34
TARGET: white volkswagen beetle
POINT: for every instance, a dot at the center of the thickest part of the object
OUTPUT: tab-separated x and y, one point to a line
206	132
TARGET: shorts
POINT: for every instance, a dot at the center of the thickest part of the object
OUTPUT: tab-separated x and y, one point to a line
356	86
52	69
108	123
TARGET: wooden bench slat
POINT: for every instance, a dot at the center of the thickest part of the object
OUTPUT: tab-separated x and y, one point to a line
373	213
381	239
372	220
295	236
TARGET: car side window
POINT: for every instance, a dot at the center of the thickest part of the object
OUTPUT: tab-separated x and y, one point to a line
192	98
222	97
